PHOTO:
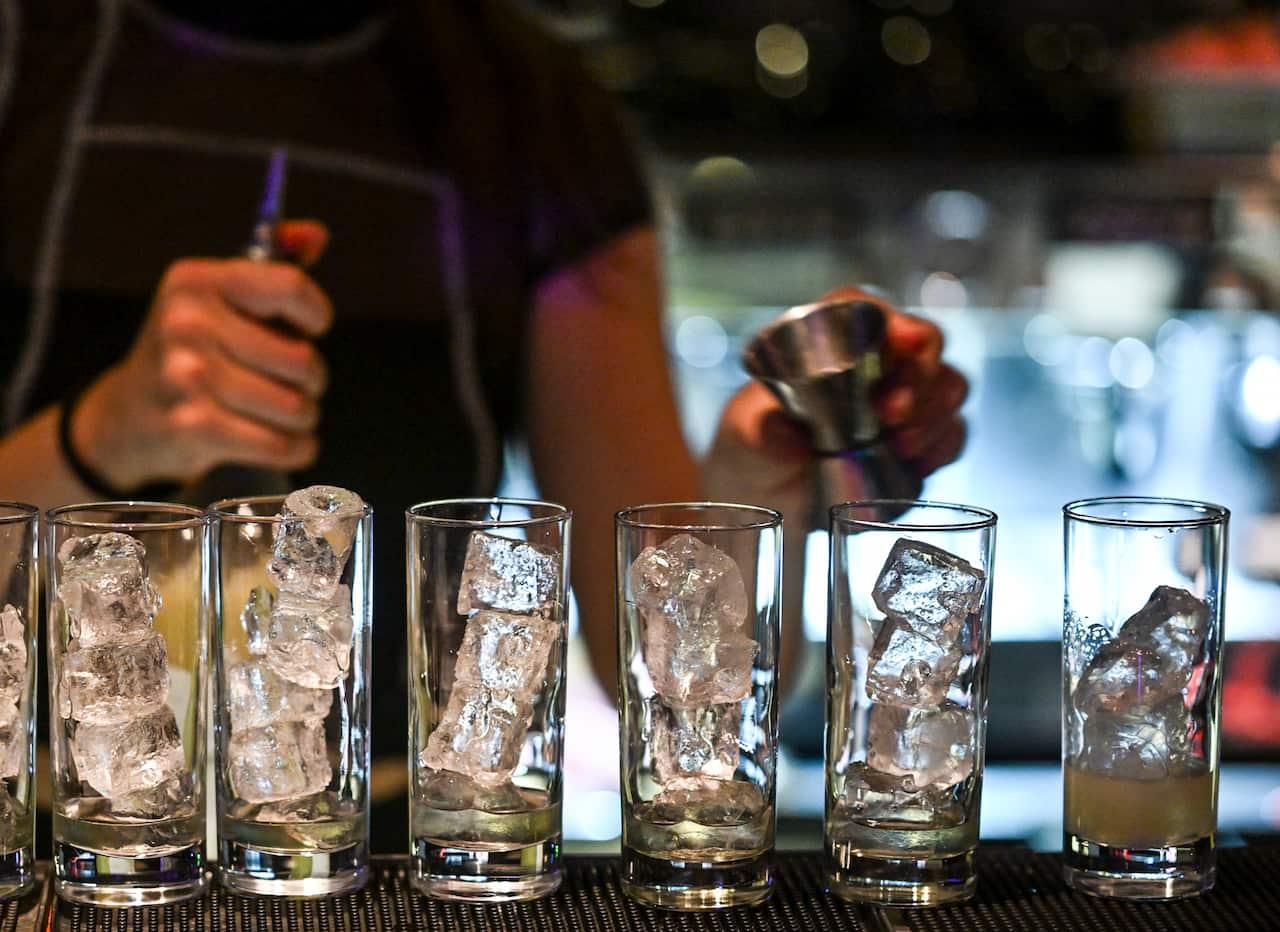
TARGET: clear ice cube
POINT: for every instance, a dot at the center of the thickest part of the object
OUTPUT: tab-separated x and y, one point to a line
171	797
303	563
329	512
508	575
928	747
930	588
309	642
506	652
1152	658
454	792
699	741
869	794
694	604
257	697
908	669
13	741
256	619
1174	622
279	762
111	685
1145	744
703	800
481	734
119	759
13	655
105	589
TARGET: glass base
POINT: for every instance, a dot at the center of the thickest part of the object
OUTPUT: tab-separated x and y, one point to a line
246	869
902	881
108	880
1168	873
673	884
452	872
17	872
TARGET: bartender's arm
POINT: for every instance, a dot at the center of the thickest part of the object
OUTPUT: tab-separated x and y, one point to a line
208	380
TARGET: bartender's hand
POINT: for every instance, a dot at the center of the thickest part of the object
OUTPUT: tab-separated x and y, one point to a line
762	456
222	370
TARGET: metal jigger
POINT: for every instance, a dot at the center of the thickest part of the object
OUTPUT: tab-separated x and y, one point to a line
822	362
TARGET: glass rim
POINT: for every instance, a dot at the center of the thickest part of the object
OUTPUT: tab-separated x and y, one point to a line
979	517
12	512
556	512
221	509
1201	514
627	517
194	517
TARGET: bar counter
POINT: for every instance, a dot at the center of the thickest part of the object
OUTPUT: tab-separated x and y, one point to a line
1018	891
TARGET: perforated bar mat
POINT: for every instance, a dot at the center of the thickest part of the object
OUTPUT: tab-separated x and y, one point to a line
1019	891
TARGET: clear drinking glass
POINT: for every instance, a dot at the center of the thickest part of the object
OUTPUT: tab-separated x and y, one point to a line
908	630
19	588
292	623
488	595
1142	694
699	589
128	590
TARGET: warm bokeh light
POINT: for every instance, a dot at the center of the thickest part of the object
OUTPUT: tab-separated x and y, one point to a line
781	50
905	40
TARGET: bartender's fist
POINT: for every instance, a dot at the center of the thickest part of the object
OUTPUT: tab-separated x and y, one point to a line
762	455
223	370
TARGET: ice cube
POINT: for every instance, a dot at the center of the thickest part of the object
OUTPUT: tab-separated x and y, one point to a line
869	794
303	563
691	666
110	685
481	734
125	758
13	655
703	800
1147	744
506	652
454	792
908	669
1124	675
508	575
1174	622
926	746
257	697
105	589
279	762
1082	640
695	741
309	642
930	588
13	741
256	619
313	539
173	796
329	512
694	604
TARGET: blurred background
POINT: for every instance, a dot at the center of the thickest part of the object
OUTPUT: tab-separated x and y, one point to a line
1085	195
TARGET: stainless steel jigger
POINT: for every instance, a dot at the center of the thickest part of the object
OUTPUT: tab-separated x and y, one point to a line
822	362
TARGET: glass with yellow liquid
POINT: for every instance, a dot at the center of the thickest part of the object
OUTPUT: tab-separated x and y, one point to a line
1142	694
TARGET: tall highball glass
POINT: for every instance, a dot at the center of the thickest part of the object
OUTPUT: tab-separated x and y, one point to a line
699	593
488	596
909	626
1142	694
19	587
128	590
292	626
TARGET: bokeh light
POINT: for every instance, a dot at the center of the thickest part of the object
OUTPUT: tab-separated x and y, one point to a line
905	40
782	50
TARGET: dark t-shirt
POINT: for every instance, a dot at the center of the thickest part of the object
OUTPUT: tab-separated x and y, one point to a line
456	153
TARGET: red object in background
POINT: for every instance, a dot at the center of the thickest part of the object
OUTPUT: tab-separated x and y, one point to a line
1251	695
